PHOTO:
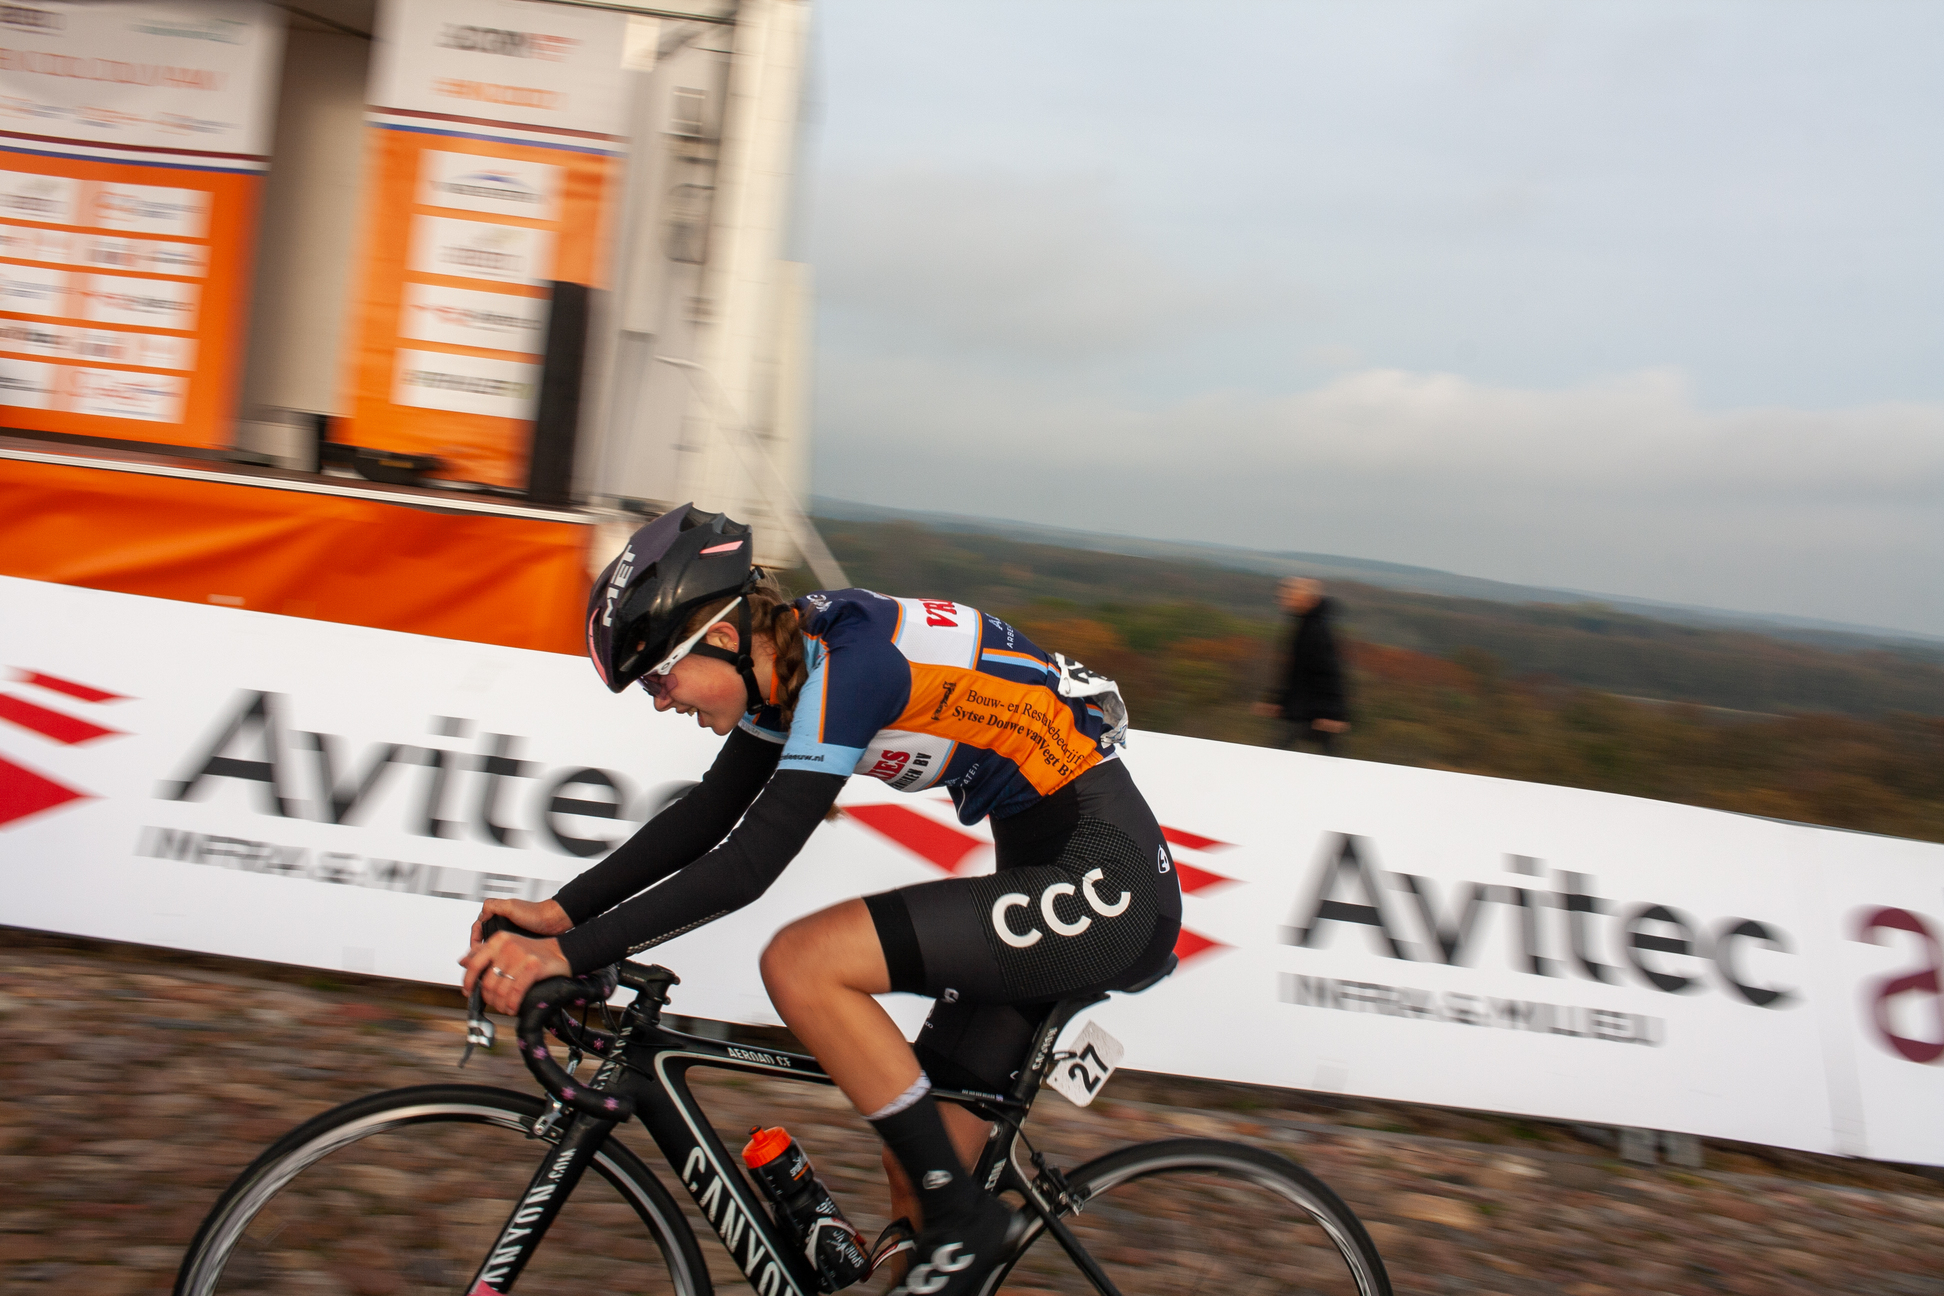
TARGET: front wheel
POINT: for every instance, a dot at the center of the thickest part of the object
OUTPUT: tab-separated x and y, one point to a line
405	1191
1185	1217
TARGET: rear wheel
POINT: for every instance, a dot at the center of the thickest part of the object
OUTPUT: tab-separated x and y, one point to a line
405	1191
1197	1217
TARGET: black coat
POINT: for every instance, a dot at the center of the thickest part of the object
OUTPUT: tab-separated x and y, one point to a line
1310	683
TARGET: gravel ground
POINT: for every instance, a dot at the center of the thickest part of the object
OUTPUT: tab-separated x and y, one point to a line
138	1082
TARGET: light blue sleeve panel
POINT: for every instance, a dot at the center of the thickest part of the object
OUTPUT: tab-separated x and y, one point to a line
804	748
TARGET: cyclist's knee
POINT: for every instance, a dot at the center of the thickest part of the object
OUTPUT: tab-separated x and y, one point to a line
783	961
833	947
798	960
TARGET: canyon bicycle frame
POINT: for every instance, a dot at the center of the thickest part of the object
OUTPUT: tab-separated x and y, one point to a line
644	1072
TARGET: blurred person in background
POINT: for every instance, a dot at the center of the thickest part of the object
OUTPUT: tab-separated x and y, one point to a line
1307	690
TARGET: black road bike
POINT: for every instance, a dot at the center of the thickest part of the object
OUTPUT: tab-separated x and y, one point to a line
407	1191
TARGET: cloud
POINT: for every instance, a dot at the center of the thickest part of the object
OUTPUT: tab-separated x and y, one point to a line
1634	432
1624	485
1005	264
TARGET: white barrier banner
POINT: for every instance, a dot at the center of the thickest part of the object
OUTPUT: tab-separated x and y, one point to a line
137	75
260	786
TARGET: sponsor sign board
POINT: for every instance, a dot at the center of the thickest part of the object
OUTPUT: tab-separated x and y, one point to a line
494	186
189	77
151	303
471	249
151	209
34	290
133	136
127	394
27	384
462	317
498	126
104	346
342	797
552	66
468	384
31	196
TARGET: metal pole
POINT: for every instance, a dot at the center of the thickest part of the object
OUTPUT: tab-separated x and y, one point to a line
743	442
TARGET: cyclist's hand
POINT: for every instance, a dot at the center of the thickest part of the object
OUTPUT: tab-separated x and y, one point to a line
507	966
544	916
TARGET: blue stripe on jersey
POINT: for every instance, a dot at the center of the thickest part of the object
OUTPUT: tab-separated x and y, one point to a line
856	663
803	747
1024	661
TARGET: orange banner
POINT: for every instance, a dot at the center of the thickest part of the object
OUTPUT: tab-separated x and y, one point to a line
514	581
124	290
462	235
133	139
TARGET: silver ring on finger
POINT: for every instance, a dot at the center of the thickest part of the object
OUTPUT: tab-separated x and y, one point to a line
502	972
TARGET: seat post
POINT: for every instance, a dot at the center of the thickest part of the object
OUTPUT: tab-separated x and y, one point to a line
1038	1057
1064	1011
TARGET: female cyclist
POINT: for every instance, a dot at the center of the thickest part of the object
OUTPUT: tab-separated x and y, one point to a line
919	694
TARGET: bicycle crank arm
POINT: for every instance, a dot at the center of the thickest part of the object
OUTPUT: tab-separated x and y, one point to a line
545	1194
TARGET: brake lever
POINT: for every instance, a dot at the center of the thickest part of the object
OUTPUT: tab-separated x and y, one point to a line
479	1027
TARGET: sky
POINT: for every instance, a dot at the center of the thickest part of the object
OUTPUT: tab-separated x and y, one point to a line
1638	298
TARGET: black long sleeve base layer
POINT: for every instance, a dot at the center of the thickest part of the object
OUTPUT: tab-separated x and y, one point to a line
726	879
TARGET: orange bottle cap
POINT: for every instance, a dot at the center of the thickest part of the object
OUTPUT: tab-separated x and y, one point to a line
765	1145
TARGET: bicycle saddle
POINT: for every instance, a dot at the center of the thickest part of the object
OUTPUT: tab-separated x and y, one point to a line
1161	974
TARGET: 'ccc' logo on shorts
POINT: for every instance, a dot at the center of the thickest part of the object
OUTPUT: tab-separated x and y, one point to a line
1014	900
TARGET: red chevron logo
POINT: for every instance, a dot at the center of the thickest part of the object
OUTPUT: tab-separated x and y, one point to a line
950	850
937	844
25	792
1190	945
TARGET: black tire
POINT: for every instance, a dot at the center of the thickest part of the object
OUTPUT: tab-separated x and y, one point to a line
402	1191
1198	1217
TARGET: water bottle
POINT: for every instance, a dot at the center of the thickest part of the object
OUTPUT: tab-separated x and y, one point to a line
806	1208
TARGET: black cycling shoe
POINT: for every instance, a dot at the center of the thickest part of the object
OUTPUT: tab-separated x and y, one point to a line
954	1257
896	1240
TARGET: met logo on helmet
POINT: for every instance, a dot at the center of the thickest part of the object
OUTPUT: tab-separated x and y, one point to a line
618	582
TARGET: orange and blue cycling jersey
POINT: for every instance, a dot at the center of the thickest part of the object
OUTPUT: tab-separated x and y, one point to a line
924	693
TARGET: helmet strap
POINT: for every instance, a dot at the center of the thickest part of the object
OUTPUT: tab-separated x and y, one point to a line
744	663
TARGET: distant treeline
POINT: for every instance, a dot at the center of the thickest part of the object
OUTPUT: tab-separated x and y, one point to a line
1619	652
1588	645
1580	696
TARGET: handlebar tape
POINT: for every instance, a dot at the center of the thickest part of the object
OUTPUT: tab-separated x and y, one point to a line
546	998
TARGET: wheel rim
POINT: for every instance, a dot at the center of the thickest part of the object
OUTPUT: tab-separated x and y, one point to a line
1192	1224
408	1199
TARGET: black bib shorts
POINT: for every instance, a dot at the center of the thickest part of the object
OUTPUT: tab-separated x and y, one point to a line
1084	899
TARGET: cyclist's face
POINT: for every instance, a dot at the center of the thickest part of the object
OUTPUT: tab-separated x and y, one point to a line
703	687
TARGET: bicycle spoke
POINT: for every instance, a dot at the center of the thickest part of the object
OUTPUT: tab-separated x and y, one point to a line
1196	1231
414	1208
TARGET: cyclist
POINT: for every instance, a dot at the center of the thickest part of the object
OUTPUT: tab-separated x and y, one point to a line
920	694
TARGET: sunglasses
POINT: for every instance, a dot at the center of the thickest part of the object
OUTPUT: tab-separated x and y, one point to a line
655	681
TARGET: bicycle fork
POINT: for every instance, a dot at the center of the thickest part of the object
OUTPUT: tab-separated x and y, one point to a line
548	1191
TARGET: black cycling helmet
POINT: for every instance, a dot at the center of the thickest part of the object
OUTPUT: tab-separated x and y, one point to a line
682	560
